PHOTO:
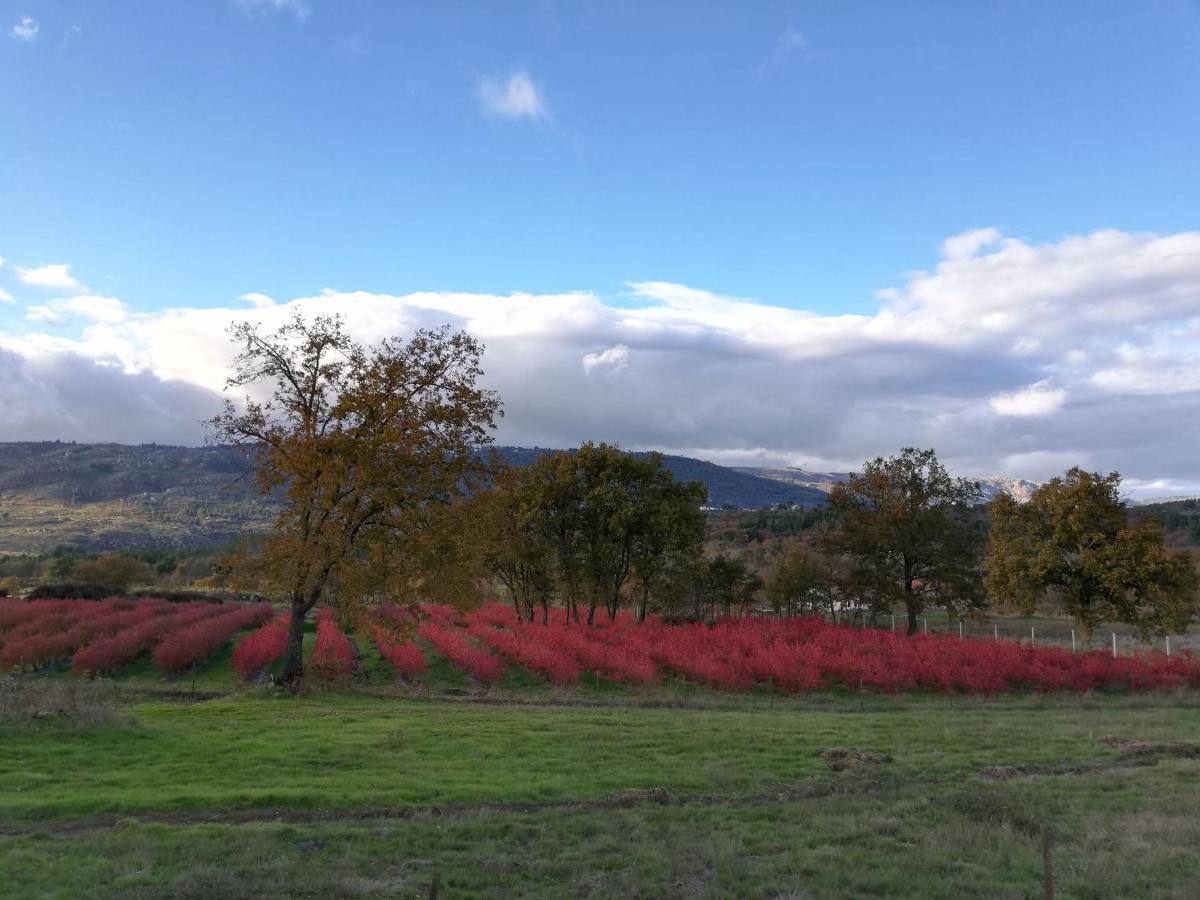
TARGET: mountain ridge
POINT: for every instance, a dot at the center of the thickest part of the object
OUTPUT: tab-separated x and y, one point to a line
105	496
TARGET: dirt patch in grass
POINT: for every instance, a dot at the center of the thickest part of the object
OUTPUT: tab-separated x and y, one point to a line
841	760
1137	752
808	789
1132	753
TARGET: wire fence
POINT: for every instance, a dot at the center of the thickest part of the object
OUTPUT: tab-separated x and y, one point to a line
1039	632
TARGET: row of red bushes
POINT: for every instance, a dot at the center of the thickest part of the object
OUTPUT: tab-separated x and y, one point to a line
185	647
801	655
64	630
449	641
107	654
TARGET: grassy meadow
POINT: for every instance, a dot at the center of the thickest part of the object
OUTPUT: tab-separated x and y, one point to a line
526	790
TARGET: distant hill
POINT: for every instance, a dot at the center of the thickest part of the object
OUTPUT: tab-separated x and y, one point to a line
1019	488
114	496
726	486
117	497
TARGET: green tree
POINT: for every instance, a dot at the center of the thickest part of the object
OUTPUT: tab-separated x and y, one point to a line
1074	540
804	581
906	526
602	518
727	582
112	570
518	541
669	532
365	443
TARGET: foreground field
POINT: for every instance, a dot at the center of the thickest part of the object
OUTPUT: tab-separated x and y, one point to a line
339	794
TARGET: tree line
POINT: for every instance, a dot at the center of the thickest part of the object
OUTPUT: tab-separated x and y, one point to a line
388	497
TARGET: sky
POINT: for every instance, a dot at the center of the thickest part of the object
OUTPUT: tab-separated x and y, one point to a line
775	233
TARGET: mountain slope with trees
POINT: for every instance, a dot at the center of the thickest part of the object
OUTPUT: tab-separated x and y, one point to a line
104	497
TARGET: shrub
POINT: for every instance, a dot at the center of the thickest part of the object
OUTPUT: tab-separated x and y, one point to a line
195	643
108	653
261	648
403	656
332	654
448	641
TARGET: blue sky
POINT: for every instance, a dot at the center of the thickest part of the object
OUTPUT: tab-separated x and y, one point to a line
799	153
763	233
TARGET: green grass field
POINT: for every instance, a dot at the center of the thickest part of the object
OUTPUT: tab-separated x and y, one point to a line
590	794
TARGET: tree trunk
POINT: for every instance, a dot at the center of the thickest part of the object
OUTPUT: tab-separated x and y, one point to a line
910	599
545	611
591	612
1085	633
293	666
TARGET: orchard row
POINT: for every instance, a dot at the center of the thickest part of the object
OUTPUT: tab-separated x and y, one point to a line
791	655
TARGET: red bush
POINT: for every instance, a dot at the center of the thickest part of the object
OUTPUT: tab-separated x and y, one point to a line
56	636
403	656
261	648
110	652
332	654
195	643
448	641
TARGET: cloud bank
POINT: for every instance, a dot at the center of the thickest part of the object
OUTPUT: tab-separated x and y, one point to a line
1009	357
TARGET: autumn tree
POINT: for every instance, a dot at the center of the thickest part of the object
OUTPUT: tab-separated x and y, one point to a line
669	531
601	519
1075	541
518	540
905	524
725	582
803	580
365	443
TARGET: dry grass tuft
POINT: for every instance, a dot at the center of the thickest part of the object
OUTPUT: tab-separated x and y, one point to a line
80	704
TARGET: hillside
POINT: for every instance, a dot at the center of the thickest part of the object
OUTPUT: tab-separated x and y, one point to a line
1019	488
739	488
115	496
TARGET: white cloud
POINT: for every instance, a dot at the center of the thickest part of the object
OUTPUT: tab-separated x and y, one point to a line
976	357
92	307
614	359
515	97
1038	399
258	301
26	30
56	276
5	296
969	243
297	9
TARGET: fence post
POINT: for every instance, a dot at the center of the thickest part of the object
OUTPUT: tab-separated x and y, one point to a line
926	621
1072	640
893	621
1032	639
960	629
1114	634
1168	645
996	632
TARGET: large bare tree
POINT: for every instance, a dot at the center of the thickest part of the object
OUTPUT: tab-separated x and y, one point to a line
365	443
